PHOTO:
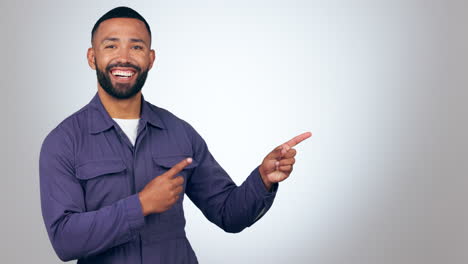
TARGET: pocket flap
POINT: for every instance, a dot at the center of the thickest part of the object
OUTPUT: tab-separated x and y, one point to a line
171	161
95	168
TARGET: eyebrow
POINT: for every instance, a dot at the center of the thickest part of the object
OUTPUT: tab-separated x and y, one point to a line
137	40
131	40
110	39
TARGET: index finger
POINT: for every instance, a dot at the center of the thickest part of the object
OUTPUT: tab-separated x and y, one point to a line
178	167
298	139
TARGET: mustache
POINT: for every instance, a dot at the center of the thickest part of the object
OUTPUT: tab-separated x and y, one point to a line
126	65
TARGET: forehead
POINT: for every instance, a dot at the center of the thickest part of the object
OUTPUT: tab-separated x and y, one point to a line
122	28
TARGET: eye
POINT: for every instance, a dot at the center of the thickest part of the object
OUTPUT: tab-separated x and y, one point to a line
109	47
137	47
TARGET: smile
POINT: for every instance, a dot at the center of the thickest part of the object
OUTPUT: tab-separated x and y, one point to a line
124	74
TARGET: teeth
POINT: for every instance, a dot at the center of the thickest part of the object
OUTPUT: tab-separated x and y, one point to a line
122	73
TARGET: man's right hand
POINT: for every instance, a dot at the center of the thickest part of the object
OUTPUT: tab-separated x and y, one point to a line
163	191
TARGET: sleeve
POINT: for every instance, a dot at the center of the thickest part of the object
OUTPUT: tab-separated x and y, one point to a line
231	207
74	232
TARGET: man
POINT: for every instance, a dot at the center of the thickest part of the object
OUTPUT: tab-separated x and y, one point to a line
113	175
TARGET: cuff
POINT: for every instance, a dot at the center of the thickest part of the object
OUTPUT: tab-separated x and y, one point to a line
134	213
259	186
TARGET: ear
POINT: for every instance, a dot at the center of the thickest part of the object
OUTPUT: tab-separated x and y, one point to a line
152	58
91	58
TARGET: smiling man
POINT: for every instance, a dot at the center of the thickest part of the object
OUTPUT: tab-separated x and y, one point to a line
113	175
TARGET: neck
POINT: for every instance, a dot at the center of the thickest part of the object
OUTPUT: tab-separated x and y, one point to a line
121	108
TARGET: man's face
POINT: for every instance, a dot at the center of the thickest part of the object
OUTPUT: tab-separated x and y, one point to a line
121	56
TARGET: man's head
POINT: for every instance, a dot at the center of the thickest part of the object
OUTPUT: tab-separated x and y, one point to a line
121	52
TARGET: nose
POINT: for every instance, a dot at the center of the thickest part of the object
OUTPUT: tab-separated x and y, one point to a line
123	55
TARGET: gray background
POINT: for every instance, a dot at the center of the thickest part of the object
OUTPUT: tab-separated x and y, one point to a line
381	84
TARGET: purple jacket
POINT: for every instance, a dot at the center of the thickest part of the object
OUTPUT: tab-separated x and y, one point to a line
90	175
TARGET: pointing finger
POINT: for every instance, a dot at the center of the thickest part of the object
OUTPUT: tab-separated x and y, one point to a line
178	167
284	148
298	139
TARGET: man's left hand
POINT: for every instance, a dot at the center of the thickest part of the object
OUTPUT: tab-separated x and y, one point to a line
278	164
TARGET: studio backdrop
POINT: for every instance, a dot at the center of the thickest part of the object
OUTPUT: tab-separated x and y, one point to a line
380	84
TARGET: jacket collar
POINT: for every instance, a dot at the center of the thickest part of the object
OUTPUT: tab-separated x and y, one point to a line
99	120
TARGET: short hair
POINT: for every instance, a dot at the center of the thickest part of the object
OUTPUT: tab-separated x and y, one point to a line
120	12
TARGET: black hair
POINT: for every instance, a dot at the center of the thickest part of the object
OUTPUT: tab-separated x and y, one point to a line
120	12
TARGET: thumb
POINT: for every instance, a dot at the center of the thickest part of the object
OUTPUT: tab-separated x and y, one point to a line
278	152
270	165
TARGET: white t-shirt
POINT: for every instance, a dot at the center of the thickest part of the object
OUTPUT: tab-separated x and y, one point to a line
129	127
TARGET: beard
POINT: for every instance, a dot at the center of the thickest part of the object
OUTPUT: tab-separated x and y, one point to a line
120	90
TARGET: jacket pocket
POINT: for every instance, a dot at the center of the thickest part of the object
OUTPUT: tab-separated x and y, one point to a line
104	182
170	161
95	168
